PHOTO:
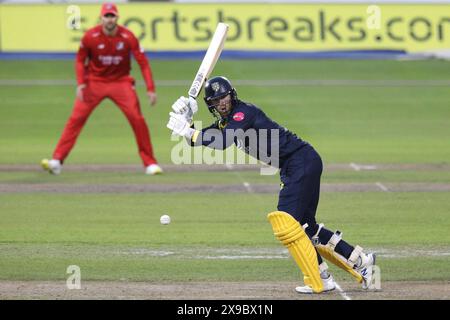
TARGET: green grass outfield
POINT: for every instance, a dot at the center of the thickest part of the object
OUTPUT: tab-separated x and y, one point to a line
119	236
345	123
215	237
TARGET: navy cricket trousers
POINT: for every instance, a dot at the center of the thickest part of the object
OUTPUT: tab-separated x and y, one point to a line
299	195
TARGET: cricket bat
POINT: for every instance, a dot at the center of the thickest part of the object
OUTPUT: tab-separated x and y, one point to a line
209	60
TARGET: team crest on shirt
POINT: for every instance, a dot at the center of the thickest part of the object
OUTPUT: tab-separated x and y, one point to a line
215	86
101	46
239	116
119	45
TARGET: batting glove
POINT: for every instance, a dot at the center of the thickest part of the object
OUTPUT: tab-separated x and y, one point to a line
179	125
185	106
181	106
193	105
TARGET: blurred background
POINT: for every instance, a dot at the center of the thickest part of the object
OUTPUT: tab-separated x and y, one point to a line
366	83
296	50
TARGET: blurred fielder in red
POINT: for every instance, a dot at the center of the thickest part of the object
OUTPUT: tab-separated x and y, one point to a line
107	49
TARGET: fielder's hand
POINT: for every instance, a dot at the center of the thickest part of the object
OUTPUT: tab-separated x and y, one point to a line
152	97
178	124
79	94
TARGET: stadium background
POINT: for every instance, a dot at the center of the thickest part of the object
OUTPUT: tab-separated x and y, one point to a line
372	98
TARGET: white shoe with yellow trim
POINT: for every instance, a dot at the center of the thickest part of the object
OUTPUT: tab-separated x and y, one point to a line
53	166
153	169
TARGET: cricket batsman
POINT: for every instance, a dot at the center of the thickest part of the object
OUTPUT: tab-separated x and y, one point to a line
103	65
294	223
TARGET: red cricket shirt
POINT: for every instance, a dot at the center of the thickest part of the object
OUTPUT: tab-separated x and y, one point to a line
109	57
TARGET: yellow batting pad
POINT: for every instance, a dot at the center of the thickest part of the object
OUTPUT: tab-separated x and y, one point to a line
333	257
291	234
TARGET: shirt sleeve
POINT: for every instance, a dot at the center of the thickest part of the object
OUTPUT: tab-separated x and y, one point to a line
82	55
138	53
221	138
208	137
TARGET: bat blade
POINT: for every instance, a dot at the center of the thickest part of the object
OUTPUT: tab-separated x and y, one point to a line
209	60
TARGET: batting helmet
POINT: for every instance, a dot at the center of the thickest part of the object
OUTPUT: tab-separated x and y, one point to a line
217	88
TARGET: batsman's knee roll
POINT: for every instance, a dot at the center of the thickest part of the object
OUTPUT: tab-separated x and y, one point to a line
290	233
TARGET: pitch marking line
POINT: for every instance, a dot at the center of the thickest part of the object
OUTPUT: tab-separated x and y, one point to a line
246	185
342	292
359	167
241	82
262	253
382	186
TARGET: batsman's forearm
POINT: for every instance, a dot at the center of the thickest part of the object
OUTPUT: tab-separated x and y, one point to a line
211	137
194	138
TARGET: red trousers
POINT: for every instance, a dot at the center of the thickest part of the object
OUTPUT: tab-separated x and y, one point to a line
124	95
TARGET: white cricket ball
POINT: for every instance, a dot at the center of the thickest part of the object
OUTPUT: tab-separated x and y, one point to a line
165	219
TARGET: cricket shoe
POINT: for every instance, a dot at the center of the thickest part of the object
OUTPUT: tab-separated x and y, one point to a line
328	285
53	166
153	169
366	270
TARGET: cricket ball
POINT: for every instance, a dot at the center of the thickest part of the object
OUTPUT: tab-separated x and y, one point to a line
165	219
